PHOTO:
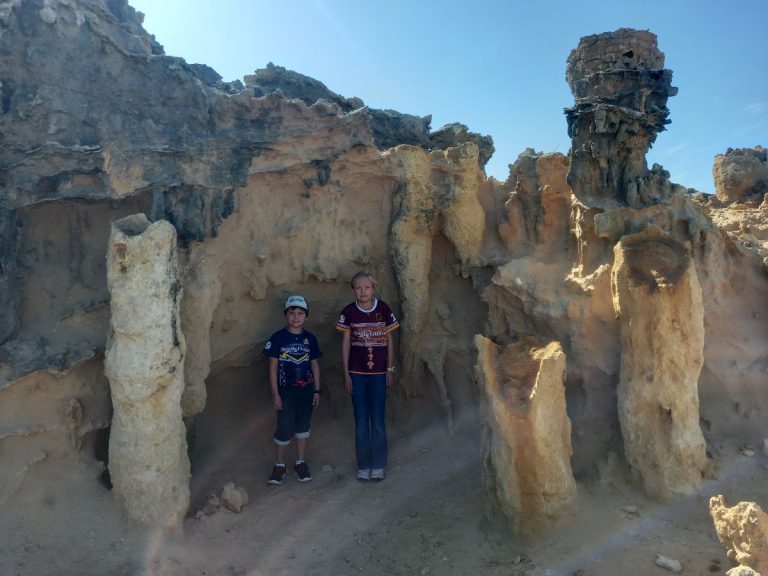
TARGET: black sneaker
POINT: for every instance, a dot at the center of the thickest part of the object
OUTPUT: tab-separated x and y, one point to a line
278	473
302	472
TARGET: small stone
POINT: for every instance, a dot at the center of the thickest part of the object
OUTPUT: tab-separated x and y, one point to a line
425	571
748	452
630	510
668	564
211	504
233	498
327	468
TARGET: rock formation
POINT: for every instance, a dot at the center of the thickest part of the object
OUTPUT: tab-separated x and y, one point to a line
743	530
526	431
278	185
145	366
741	174
621	89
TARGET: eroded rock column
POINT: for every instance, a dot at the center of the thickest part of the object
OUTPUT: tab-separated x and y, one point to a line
657	297
148	459
527	432
621	90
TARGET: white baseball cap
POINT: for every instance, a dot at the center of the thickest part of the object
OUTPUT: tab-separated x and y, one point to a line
296	301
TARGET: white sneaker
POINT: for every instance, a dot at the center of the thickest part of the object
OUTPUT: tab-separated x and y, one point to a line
377	474
363	475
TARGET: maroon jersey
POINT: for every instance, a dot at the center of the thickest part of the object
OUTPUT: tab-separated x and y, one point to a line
368	336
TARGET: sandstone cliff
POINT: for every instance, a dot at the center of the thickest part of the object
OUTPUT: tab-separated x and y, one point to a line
653	296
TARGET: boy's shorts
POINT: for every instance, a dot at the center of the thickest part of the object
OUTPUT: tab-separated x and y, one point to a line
293	419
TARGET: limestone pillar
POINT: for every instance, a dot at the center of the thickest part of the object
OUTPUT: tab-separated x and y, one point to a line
657	297
527	432
148	460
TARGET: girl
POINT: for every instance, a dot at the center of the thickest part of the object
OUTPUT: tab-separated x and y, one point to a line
368	358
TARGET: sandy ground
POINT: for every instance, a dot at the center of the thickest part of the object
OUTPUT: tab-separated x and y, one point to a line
427	518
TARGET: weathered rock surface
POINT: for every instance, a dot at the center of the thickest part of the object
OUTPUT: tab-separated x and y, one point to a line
148	463
526	431
743	530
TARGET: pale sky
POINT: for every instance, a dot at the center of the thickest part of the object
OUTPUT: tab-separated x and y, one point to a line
497	66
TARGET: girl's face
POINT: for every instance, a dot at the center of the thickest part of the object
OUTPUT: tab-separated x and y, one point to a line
364	290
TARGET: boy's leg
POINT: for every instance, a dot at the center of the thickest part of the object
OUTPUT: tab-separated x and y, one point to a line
284	433
377	398
362	421
286	423
302	427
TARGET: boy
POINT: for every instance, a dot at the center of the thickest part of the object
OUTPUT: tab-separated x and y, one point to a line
294	377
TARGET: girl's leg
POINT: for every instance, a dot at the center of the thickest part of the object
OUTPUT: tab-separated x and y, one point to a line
280	453
377	397
362	418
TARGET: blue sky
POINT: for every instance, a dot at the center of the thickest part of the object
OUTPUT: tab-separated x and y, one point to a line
497	66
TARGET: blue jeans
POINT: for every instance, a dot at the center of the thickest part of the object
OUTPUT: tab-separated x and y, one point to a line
369	398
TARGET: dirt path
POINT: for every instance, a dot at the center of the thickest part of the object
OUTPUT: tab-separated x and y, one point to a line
426	518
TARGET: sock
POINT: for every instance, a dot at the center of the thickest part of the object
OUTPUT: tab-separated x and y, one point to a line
299	461
280	465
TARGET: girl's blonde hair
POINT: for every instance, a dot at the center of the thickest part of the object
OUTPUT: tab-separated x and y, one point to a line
364	274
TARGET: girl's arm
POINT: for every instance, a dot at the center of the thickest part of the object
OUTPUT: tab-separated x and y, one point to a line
346	343
276	400
315	365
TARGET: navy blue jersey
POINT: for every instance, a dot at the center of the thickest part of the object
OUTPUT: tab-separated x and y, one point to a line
294	352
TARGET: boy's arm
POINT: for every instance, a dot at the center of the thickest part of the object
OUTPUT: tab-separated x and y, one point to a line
346	344
315	365
276	400
390	359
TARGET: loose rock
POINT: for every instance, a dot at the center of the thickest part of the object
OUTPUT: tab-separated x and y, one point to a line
233	498
668	564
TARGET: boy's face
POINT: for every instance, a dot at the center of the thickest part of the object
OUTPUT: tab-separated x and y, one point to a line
295	317
364	290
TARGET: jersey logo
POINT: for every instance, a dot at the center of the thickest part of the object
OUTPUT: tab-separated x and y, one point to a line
294	359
